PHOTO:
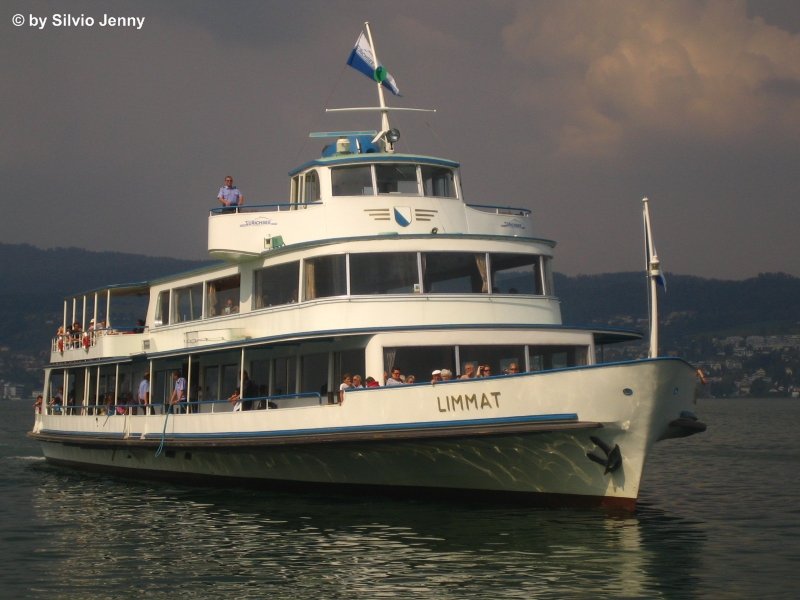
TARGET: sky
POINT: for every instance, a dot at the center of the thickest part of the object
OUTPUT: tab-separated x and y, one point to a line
118	138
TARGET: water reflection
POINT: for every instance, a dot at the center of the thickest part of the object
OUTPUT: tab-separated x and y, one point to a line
104	534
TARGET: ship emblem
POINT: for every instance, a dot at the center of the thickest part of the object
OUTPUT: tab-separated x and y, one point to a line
402	215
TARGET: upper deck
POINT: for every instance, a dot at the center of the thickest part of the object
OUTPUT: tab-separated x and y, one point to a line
358	189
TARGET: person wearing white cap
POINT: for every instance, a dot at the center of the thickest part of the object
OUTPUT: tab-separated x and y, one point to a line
436	376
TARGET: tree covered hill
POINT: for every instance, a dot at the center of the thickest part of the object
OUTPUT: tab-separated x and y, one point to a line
692	306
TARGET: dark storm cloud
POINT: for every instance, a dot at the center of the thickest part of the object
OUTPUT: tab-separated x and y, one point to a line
118	139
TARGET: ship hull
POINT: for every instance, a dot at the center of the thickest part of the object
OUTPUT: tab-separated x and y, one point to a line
523	437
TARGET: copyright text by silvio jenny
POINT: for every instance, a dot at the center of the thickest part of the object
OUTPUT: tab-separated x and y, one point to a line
78	21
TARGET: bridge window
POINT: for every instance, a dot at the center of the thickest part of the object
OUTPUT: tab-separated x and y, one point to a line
438	181
397	179
352	181
311	187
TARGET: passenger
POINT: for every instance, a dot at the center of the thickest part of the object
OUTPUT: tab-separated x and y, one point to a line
372	383
76	333
484	371
410	379
235	399
436	376
177	400
447	374
513	369
469	371
57	401
139	326
229	195
250	392
347	383
395	379
37	406
143	395
357	382
230	308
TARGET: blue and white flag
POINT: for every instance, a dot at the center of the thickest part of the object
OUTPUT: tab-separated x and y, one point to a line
362	59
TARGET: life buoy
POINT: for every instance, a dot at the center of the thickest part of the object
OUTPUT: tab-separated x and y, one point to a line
86	341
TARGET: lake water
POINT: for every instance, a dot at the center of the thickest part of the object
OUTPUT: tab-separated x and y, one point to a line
719	517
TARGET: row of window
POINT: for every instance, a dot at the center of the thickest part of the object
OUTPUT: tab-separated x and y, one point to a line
215	377
386	178
362	274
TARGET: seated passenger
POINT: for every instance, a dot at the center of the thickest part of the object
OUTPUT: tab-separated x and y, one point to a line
230	308
395	379
410	379
372	383
512	369
447	374
235	399
469	371
347	383
436	376
357	382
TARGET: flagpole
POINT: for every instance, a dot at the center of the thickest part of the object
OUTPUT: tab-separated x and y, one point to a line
653	269
381	99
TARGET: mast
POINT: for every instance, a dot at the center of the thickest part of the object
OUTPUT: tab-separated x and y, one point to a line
381	98
653	270
364	59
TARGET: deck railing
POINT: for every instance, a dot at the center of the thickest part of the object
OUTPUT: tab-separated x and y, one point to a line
191	407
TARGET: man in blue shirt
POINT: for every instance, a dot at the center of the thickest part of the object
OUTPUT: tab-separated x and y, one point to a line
229	194
177	400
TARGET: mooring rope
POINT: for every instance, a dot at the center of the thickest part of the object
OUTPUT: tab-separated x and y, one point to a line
164	432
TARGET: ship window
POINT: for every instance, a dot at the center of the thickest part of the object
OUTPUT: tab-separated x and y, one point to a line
384	273
276	285
544	358
419	361
311	191
454	273
285	381
324	276
397	179
188	303
497	358
516	274
222	296
162	308
547	264
352	181
438	181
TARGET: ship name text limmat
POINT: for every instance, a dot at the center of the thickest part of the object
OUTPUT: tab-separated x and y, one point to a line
468	402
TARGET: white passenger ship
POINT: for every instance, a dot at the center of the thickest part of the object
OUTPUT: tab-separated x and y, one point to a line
375	264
